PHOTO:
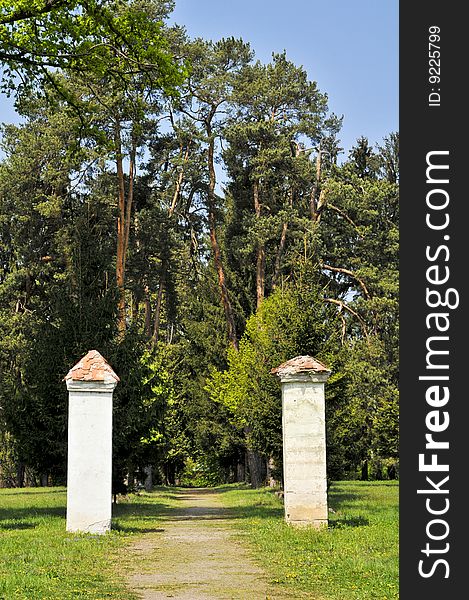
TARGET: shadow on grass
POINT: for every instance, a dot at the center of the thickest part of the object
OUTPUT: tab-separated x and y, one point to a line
141	510
117	526
21	525
31	492
173	510
348	522
180	493
146	513
377	483
162	512
135	515
29	514
14	519
339	498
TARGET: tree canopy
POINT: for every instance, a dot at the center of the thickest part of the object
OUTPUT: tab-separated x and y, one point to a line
117	234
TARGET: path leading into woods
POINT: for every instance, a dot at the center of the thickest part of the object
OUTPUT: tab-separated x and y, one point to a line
196	556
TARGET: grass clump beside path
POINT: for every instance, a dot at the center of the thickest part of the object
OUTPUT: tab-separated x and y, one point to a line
356	558
40	561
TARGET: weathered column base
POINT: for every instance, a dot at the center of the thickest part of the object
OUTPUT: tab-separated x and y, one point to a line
314	523
98	528
304	511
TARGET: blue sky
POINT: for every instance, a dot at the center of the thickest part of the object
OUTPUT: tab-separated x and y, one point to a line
349	48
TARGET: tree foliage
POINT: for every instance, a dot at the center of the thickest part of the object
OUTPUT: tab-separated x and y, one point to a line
115	39
117	234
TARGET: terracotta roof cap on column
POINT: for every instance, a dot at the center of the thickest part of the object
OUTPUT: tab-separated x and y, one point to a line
92	367
300	364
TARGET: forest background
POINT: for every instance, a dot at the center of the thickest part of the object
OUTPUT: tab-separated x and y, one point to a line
118	233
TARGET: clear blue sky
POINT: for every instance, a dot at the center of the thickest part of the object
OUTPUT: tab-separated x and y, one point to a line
350	48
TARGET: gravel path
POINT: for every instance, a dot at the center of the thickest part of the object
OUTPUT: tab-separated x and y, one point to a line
196	557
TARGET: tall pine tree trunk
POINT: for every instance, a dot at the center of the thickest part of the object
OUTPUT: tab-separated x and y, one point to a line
228	309
314	207
165	255
281	246
20	472
240	471
147	305
256	463
260	258
120	270
257	468
159	302
123	223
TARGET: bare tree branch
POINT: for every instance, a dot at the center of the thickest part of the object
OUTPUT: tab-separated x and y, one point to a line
342	214
350	274
344	306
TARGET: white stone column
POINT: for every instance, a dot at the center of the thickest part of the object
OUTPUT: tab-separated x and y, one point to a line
90	384
304	440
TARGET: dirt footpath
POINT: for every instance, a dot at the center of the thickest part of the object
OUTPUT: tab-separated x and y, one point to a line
196	557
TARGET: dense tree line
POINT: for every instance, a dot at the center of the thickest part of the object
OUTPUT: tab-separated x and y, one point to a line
116	234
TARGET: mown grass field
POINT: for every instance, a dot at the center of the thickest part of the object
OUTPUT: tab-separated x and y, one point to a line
39	561
356	558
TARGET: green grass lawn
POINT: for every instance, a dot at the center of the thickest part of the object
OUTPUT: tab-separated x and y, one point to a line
355	558
39	560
